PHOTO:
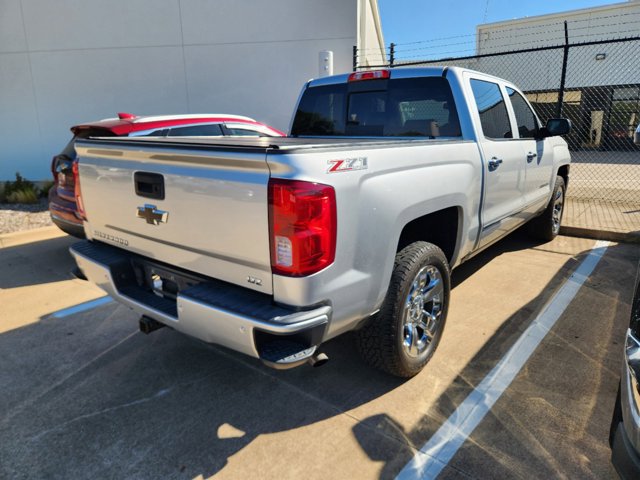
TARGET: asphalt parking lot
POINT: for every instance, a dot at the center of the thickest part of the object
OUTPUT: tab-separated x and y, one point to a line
85	395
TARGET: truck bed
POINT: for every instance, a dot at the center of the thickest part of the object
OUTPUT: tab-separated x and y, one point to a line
271	144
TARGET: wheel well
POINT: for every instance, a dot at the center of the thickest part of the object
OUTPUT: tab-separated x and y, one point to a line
563	171
439	228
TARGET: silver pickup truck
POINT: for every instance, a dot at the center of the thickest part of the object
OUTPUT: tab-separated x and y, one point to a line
272	246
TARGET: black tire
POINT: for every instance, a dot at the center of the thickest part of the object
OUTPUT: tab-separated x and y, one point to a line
547	226
382	342
616	418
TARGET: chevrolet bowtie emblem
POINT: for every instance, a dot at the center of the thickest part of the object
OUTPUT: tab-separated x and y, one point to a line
152	215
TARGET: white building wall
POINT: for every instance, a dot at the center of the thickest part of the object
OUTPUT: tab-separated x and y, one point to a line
65	62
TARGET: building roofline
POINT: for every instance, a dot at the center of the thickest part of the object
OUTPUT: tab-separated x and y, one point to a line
580	11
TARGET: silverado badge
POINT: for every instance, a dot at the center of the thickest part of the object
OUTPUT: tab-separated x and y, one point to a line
152	215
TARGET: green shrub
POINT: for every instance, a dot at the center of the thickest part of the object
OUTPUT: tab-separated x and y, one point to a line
20	191
21	183
23	196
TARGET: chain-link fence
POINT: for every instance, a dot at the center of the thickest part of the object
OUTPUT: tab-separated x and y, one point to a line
596	85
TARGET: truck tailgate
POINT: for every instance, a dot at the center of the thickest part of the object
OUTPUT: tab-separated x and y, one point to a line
204	209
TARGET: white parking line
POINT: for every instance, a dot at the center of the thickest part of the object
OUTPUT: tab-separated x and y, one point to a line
82	307
434	456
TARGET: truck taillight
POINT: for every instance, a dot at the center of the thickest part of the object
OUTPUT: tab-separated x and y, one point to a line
78	192
302	227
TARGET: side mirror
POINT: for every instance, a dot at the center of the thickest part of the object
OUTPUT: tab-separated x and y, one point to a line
556	126
636	136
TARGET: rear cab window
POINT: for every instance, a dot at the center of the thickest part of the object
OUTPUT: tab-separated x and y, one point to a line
403	107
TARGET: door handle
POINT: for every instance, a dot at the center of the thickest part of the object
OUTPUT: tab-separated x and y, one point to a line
494	163
531	156
149	185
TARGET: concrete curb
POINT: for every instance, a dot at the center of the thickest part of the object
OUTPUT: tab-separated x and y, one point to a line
629	237
28	236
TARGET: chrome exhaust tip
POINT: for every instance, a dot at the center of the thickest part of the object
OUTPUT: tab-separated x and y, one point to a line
318	359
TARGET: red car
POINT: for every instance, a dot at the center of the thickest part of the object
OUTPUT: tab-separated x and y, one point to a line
62	203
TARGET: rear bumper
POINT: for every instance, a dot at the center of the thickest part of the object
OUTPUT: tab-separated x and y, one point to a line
213	311
67	226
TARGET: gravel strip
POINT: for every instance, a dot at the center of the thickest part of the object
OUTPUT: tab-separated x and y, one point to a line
19	217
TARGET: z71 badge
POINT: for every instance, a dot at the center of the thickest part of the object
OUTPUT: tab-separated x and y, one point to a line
347	164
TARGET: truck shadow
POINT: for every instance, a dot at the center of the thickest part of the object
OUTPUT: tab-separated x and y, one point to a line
86	395
518	240
76	405
558	409
36	263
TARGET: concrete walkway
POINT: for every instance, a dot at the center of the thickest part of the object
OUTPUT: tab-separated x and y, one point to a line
602	219
603	199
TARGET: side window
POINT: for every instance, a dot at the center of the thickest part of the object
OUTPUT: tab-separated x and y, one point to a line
525	118
492	109
155	133
243	132
211	130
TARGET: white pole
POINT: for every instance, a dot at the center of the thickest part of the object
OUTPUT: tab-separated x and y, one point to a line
325	63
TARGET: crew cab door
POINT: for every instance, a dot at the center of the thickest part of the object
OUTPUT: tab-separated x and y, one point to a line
504	167
535	152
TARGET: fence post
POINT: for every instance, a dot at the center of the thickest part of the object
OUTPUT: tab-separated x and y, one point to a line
563	76
355	58
392	54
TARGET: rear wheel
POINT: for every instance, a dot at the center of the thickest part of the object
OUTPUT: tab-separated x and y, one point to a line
402	337
547	226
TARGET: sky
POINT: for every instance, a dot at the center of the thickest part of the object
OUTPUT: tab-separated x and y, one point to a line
453	22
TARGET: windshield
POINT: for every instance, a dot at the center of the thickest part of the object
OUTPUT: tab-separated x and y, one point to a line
405	107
